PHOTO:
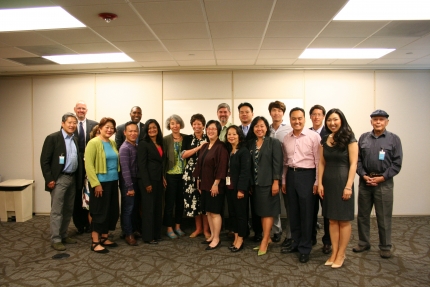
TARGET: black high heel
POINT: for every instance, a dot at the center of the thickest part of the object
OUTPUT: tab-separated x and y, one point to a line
103	240
95	244
234	249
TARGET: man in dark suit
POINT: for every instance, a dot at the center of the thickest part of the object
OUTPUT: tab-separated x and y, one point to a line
82	133
62	168
317	114
135	117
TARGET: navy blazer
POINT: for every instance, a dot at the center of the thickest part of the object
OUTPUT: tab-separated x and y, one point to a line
240	169
54	147
149	163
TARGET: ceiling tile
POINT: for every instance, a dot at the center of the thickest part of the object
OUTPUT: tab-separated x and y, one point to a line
405	29
181	31
8	63
306	10
237	29
279	54
93	48
170	12
235	54
47	50
352	61
390	61
193	55
306	62
67	3
322	42
125	33
285	43
12	52
275	62
152	56
24	38
422	43
422	61
187	44
406	54
197	63
139	46
235	62
352	28
238	10
72	36
236	43
159	64
386	42
280	29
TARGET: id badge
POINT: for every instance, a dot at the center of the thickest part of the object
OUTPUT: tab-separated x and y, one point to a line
227	180
61	158
381	155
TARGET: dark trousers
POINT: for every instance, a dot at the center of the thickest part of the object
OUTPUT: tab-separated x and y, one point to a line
105	209
326	236
174	198
237	210
301	201
151	210
256	220
80	215
130	214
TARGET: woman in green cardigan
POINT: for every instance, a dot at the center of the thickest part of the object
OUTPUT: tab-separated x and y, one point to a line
102	167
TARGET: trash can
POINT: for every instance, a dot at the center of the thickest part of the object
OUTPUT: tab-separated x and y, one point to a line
16	199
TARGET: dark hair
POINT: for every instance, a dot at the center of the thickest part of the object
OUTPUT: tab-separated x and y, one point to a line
245	104
344	135
217	124
105	120
239	133
159	137
129	123
198	117
68	115
95	131
135	107
317	107
278	105
297	109
251	134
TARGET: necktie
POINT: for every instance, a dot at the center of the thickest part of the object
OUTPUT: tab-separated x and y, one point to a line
245	130
81	138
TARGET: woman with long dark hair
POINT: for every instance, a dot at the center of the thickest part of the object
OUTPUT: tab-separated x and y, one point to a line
238	182
336	172
150	157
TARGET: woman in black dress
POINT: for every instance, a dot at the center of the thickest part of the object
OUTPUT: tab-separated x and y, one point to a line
336	172
238	182
190	147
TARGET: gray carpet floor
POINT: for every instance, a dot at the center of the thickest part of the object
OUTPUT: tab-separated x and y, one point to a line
26	260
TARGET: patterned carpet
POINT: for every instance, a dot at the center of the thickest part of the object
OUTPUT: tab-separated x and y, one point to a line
26	260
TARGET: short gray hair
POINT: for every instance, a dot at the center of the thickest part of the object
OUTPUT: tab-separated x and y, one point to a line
177	119
223	105
68	115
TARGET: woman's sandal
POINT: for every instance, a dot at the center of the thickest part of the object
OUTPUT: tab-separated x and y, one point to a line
103	240
95	244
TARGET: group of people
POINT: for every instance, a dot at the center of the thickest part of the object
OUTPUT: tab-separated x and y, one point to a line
247	165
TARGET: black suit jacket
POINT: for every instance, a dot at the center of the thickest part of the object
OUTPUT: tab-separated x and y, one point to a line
53	147
120	137
323	132
90	124
149	163
240	169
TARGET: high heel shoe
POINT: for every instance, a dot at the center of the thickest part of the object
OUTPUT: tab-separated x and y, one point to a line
104	239
260	253
215	247
231	246
95	244
328	263
195	234
338	265
234	249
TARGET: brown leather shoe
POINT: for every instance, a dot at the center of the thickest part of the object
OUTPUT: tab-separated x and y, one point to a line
130	240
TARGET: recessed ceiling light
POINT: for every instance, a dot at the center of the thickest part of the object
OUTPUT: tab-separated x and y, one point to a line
41	18
90	58
344	53
385	10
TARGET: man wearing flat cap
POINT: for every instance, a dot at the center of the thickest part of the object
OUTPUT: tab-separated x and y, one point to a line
379	160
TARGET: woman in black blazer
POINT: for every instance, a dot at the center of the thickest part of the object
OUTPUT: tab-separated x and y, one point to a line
150	158
238	182
266	171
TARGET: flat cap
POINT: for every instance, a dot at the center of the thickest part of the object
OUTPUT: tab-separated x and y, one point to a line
379	113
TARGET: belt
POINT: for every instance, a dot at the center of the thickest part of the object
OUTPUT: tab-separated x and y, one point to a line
374	174
68	173
299	168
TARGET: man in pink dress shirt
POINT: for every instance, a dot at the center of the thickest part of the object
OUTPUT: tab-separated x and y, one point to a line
299	182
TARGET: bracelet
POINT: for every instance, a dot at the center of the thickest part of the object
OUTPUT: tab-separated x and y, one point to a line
347	188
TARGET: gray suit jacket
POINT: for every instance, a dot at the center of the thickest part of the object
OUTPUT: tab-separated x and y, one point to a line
269	161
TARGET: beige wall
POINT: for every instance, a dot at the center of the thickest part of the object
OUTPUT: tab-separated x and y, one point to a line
31	108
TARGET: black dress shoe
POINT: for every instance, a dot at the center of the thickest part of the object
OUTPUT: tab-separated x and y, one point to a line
360	248
206	242
287	242
151	242
277	237
286	250
215	247
158	239
304	258
234	249
326	248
